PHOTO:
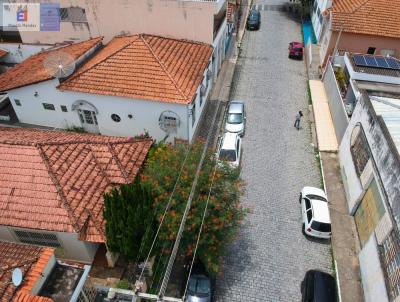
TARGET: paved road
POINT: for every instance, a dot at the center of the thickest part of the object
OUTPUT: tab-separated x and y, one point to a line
270	256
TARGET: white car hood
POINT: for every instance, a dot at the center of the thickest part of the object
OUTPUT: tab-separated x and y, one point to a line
234	128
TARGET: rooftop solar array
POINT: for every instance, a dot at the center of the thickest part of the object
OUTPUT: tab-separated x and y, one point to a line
376	62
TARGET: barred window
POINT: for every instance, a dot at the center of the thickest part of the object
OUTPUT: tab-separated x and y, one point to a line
359	149
390	255
45	239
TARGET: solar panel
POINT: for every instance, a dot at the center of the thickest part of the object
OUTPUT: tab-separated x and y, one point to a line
371	61
392	64
359	60
381	62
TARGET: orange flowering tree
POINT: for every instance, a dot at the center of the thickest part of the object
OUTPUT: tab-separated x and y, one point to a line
224	210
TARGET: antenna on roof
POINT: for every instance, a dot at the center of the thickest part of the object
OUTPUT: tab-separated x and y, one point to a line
16	277
59	64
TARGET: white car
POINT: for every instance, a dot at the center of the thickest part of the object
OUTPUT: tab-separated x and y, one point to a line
315	213
230	149
236	119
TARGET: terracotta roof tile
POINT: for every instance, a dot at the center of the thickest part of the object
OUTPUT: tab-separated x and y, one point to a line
3	52
369	17
55	181
144	67
31	260
32	69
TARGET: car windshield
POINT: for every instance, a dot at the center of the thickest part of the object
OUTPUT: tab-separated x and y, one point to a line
316	197
298	49
321	227
235	118
199	286
253	17
228	155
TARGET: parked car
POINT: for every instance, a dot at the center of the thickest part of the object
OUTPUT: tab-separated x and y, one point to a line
236	120
230	149
315	213
318	286
199	289
253	20
296	50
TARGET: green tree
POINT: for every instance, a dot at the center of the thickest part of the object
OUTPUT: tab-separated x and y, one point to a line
224	211
129	219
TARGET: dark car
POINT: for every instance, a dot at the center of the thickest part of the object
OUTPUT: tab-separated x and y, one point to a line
318	286
253	20
200	286
296	50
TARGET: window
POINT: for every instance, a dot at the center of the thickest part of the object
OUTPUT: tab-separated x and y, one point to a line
390	252
48	106
115	117
308	204
193	114
359	149
64	108
321	227
72	14
309	215
371	50
17	102
46	239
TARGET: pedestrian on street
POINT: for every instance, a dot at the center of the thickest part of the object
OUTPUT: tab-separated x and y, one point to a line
298	118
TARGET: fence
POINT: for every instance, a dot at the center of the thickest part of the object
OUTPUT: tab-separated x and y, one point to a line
336	105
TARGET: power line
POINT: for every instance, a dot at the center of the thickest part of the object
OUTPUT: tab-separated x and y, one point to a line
164	214
200	231
184	217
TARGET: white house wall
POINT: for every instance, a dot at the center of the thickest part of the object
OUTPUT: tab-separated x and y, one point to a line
17	52
145	113
72	247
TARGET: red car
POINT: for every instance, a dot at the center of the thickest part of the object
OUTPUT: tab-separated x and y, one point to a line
296	50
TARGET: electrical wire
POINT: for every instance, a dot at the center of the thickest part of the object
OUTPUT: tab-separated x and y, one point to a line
200	230
165	212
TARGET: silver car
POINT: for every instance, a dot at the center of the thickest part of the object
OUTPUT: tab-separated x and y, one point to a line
236	120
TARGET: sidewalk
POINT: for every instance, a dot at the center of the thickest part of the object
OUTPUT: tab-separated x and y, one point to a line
344	234
344	240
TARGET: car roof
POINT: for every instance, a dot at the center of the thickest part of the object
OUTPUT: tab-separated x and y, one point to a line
320	210
254	12
324	287
235	107
296	44
229	141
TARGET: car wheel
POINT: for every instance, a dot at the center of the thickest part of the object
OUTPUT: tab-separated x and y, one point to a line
303	226
300	198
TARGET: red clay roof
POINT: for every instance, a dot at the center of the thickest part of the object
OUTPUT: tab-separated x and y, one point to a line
32	70
55	181
369	17
31	260
3	52
144	67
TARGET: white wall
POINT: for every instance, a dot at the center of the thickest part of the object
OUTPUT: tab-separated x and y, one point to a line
322	5
73	248
17	52
109	18
371	273
145	113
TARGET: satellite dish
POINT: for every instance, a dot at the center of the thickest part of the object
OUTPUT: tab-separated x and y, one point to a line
59	64
17	276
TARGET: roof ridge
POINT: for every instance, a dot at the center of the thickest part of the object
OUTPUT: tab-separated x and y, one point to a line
79	73
163	67
58	187
118	162
360	6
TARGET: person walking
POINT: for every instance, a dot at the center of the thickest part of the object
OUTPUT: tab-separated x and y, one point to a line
297	121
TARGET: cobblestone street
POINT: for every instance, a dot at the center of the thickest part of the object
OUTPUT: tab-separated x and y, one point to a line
270	256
